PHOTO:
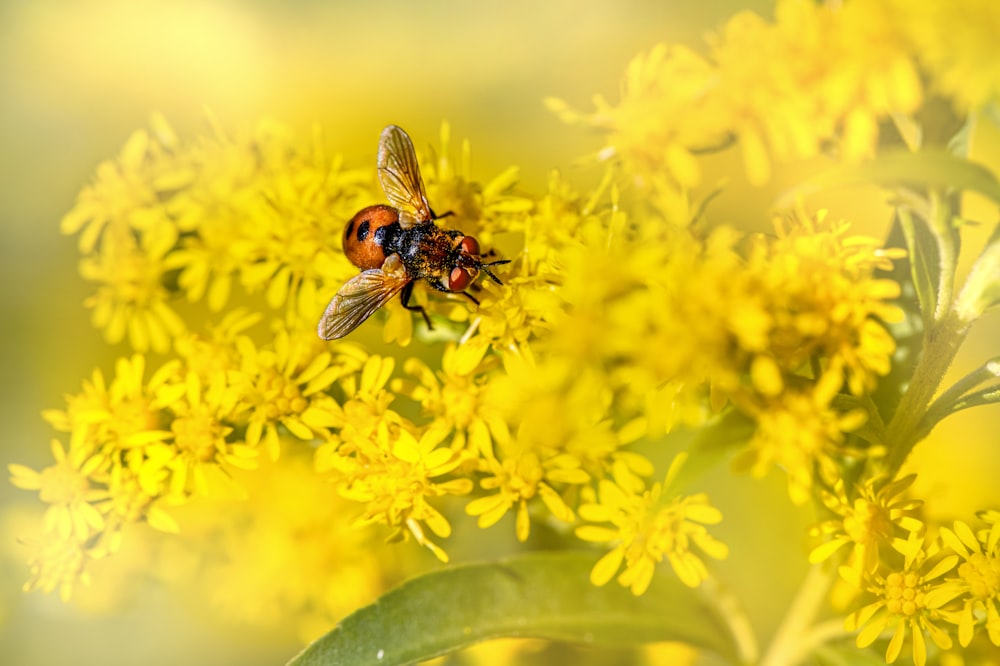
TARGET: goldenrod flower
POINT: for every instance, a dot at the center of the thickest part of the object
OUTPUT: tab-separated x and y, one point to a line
124	414
66	487
956	44
453	396
518	478
479	209
200	431
131	299
627	313
217	353
127	193
394	474
284	387
59	563
854	61
977	585
869	520
647	527
801	433
287	555
906	603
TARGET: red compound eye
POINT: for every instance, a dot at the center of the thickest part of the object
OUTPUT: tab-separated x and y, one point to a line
469	245
460	279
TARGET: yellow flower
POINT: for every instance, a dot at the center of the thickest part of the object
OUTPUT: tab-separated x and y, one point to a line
395	474
906	603
453	398
977	585
826	299
478	209
876	514
957	44
782	90
68	490
511	315
558	413
127	193
518	478
285	558
217	353
134	496
284	387
648	526
200	428
59	563
131	299
653	130
801	433
366	404
125	414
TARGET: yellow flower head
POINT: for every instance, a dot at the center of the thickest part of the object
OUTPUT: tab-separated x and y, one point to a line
977	583
284	387
906	603
869	520
68	490
646	527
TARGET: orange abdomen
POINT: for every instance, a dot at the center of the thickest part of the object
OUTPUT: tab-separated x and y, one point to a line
361	245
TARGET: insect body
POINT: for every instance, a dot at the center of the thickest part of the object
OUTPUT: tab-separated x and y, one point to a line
398	244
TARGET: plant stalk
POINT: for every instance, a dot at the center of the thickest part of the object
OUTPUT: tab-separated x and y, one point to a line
792	642
941	344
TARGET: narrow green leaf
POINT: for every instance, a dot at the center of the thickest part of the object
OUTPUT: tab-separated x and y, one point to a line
990	396
986	396
922	169
541	595
961	395
924	259
908	333
982	288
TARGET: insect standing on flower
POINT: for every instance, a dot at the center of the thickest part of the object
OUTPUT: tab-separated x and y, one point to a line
398	244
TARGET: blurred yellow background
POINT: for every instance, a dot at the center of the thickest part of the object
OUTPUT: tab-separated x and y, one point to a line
77	78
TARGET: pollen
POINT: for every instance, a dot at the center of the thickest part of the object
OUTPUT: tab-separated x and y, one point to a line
279	395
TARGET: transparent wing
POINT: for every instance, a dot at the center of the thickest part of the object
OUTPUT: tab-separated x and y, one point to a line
399	174
359	298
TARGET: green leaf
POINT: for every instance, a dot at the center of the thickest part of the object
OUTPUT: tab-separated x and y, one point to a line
903	168
908	333
541	595
982	288
962	395
924	259
990	396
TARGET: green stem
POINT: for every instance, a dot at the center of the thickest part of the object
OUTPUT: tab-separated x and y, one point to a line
823	633
941	344
730	611
940	223
789	644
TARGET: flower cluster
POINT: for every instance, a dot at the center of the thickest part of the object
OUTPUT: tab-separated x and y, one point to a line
821	79
538	398
622	318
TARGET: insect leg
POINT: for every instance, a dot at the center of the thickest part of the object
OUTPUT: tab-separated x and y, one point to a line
405	297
